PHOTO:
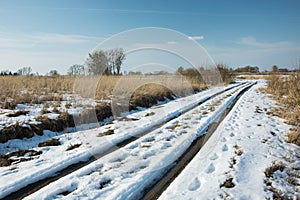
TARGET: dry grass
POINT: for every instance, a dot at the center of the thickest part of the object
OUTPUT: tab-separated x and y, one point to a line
293	137
286	90
73	146
275	166
15	131
228	183
250	77
37	89
51	142
18	156
132	91
108	132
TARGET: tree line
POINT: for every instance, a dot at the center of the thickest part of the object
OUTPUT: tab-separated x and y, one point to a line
24	71
99	62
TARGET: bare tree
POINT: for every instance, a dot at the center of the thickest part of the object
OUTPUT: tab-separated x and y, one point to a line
274	68
97	63
53	72
76	70
115	59
24	71
105	62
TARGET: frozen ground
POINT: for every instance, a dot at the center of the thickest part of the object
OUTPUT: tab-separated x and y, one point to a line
91	142
125	173
243	147
246	143
75	106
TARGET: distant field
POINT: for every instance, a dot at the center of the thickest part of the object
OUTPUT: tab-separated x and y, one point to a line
39	89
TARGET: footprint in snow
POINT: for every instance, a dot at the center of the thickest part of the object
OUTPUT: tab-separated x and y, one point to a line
166	145
133	146
223	139
9	172
194	185
214	157
225	148
228	128
39	162
211	168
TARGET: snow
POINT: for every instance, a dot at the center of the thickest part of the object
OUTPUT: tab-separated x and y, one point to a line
49	163
251	133
125	172
77	106
241	148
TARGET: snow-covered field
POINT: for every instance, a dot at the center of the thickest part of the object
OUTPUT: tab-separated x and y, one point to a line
239	151
48	163
126	172
35	110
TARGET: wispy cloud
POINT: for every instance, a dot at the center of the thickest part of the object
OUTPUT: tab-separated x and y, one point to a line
252	42
200	37
21	41
171	42
62	38
125	11
254	52
42	51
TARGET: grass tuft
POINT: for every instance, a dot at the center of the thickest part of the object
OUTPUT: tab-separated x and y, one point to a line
228	183
293	137
276	166
73	146
51	142
108	132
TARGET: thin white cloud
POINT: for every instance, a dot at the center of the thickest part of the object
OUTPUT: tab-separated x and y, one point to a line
61	38
200	37
254	52
44	50
21	41
125	11
252	42
171	42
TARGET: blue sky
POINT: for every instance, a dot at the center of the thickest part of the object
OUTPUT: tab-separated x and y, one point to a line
59	33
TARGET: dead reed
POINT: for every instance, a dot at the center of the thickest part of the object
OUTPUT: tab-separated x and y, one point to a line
286	90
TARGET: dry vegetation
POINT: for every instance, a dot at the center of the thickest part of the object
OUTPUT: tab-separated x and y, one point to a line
33	89
286	90
37	89
130	91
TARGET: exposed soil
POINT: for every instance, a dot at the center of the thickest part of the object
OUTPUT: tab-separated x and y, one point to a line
15	132
269	171
108	132
74	146
51	142
18	113
18	156
228	183
64	120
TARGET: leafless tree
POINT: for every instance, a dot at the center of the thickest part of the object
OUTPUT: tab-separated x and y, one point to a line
97	63
105	62
76	70
24	71
115	59
53	72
